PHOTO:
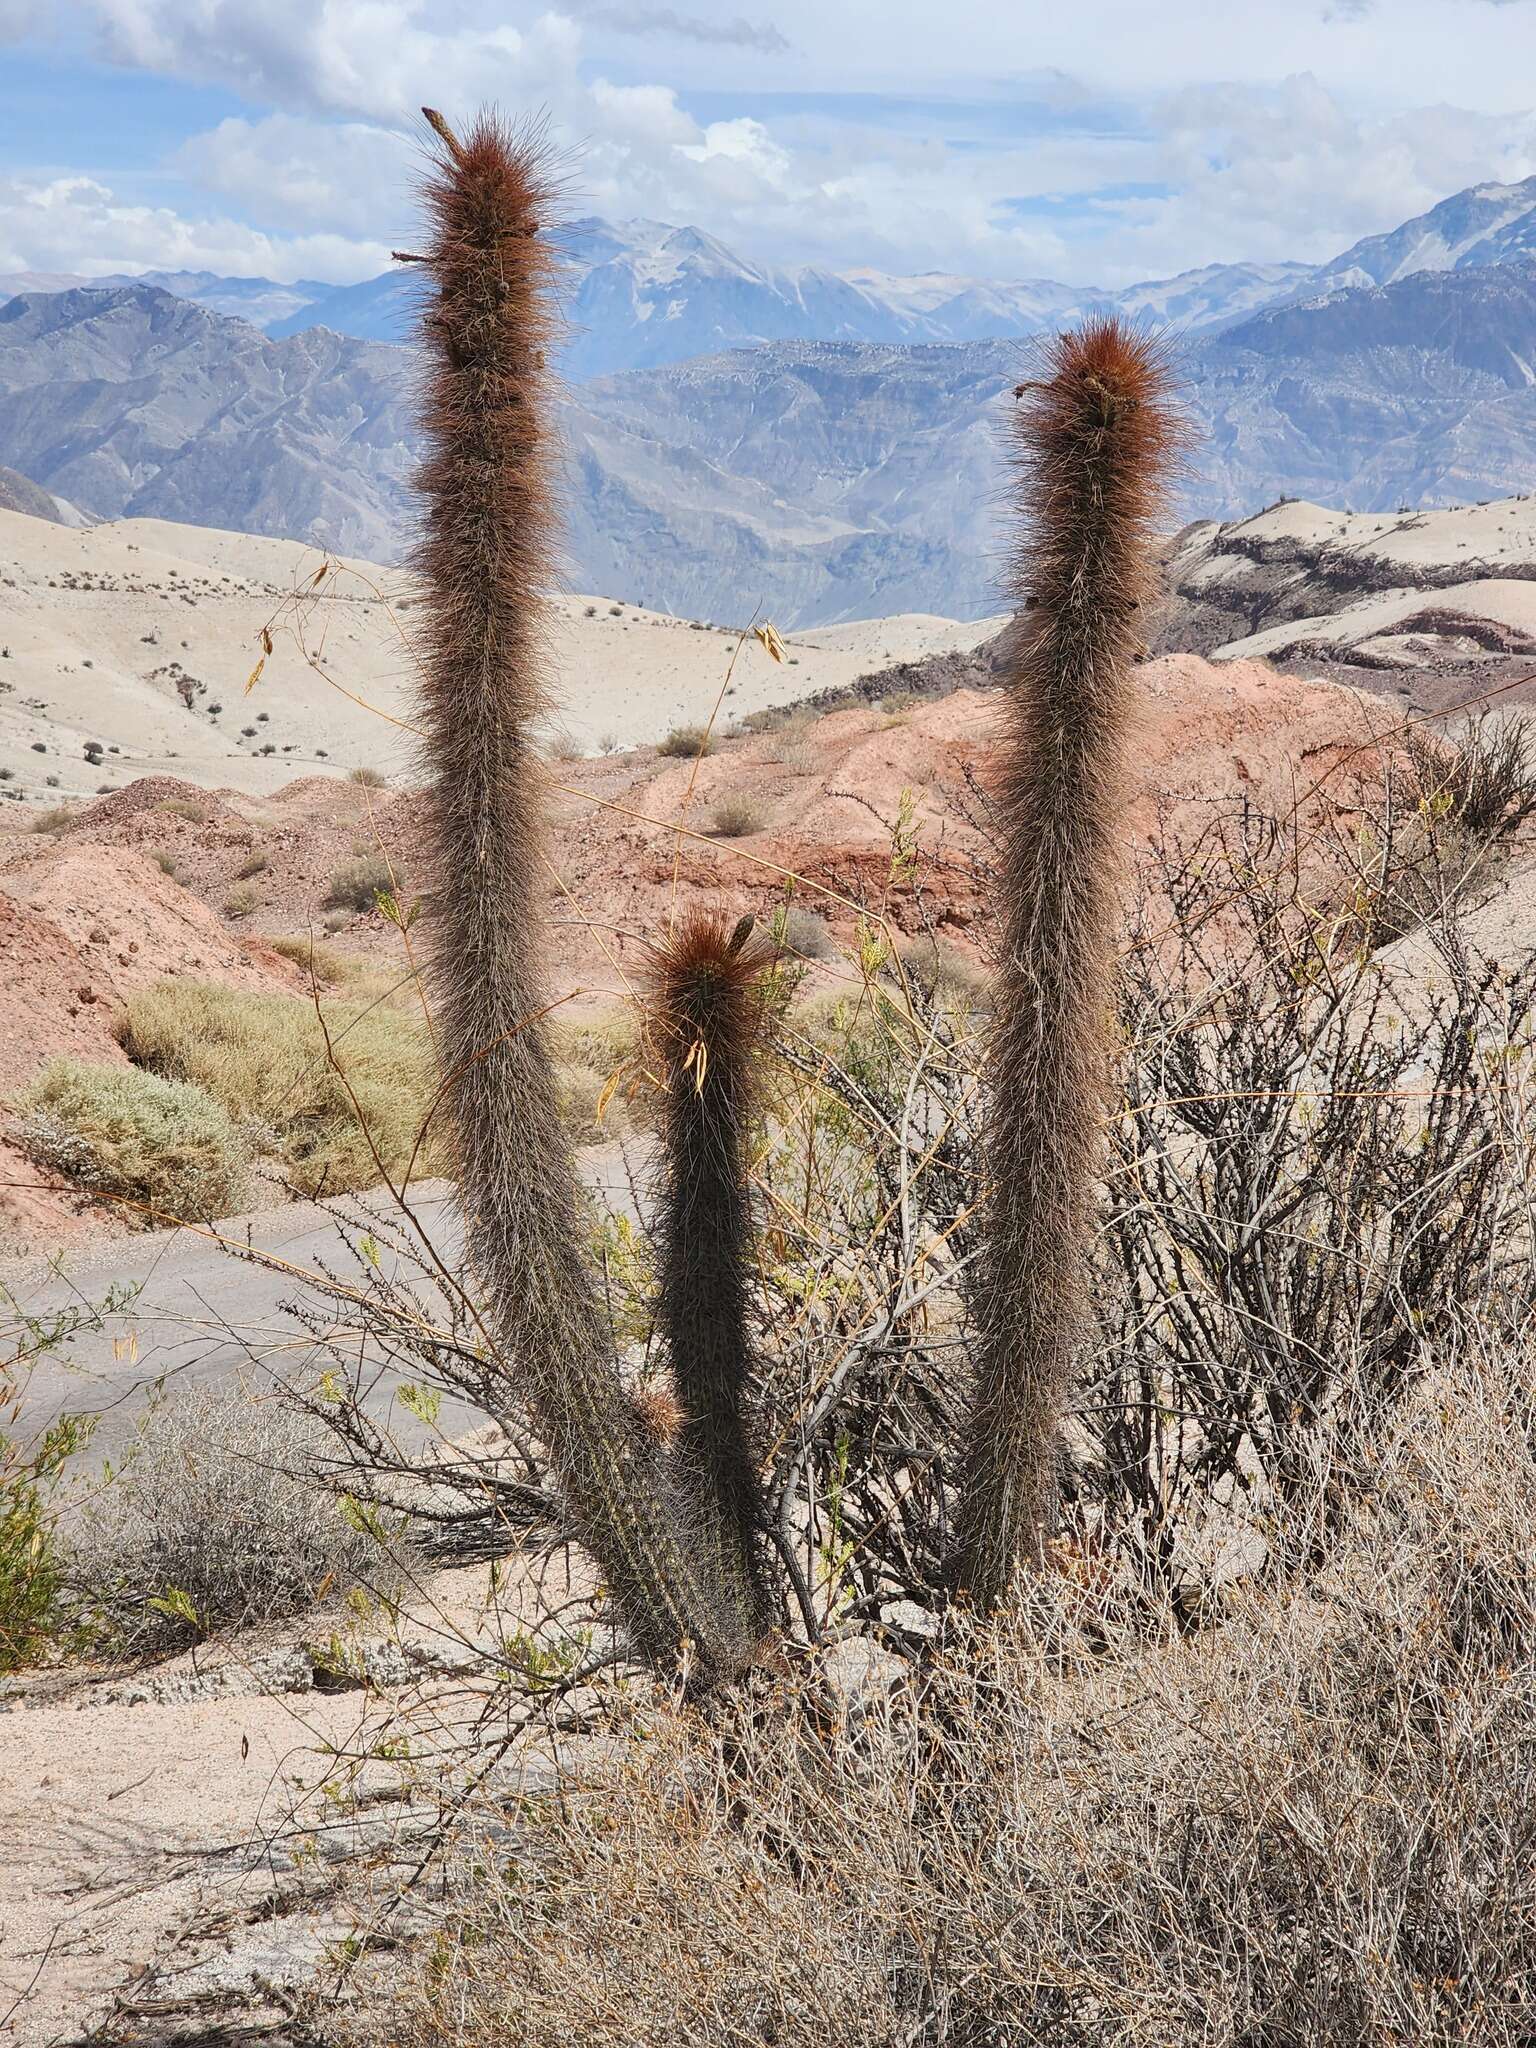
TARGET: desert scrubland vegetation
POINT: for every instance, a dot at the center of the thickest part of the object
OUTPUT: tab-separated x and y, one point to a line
1031	1537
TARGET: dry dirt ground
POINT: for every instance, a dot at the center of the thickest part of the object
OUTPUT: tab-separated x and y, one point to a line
177	1838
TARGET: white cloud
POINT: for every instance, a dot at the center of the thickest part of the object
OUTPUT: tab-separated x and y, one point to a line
346	176
1024	172
80	225
738	33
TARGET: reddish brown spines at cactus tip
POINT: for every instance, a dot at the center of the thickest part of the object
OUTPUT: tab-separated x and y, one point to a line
705	1017
485	560
1094	440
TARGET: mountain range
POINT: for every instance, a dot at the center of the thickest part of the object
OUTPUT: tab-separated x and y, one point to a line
642	293
820	478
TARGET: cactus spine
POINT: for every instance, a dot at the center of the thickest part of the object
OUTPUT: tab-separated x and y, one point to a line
705	1015
486	555
1093	443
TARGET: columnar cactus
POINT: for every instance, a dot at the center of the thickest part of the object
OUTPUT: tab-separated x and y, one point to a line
1093	443
705	1016
489	505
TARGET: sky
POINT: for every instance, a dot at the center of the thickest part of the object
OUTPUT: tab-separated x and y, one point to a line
1091	141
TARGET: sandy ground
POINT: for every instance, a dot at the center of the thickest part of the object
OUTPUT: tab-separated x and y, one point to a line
106	634
187	1844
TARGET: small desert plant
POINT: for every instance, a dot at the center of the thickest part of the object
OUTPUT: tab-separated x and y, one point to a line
359	884
165	862
165	1148
322	963
218	1516
254	864
805	933
31	1579
367	778
685	743
736	817
53	820
565	747
240	902
185	807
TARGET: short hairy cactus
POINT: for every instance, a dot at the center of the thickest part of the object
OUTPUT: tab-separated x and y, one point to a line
1094	441
705	1017
485	558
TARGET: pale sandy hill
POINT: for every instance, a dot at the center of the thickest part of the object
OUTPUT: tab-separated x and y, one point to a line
1437	603
134	641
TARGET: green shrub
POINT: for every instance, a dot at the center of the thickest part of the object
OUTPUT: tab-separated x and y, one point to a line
686	743
30	1571
141	1138
357	885
265	1058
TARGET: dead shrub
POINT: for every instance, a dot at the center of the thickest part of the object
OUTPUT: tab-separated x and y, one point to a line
736	817
1309	1825
219	1515
686	743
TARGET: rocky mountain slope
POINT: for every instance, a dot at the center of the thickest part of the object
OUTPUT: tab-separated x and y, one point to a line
131	402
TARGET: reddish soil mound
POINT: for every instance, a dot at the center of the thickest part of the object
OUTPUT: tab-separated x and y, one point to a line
51	1001
816	798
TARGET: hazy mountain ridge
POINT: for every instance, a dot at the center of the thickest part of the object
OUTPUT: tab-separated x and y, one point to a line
817	480
643	293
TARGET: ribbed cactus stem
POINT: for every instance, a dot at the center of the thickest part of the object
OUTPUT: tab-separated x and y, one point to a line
706	1015
1093	442
489	510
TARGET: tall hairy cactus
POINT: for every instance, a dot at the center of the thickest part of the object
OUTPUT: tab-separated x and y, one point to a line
705	1014
485	558
1093	445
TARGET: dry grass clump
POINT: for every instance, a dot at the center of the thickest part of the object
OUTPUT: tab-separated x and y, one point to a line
53	820
323	963
358	885
338	1093
686	743
805	933
736	817
367	778
240	902
185	807
1308	1825
218	1516
166	1149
